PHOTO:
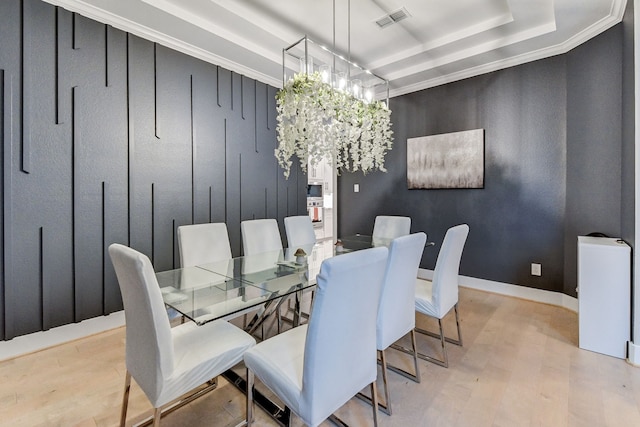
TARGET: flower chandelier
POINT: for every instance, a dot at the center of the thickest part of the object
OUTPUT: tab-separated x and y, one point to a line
324	116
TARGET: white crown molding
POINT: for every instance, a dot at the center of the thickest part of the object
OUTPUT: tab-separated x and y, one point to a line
93	12
547	52
538	295
150	34
213	28
442	41
472	51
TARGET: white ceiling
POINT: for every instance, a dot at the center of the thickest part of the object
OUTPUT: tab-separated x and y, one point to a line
441	41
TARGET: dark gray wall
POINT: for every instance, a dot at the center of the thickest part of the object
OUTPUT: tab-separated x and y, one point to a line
108	138
628	128
553	156
594	148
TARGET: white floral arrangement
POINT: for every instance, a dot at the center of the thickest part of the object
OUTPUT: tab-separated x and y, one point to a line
316	122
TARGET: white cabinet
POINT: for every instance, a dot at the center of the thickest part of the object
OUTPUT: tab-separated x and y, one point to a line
317	171
328	223
319	232
323	173
604	295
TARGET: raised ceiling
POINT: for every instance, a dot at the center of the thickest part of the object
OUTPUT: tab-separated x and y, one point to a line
438	42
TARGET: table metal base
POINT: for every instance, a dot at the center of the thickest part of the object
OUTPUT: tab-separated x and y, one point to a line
182	401
281	416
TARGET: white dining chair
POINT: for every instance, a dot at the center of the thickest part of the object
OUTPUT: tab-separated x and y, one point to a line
299	230
260	235
436	298
316	368
300	235
390	227
168	362
396	316
203	243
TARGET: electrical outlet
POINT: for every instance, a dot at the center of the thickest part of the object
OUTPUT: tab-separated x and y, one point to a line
536	269
356	188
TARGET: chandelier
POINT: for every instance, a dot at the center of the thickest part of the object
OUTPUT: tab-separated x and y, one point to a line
330	108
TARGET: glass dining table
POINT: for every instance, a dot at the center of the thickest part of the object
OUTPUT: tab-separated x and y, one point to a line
255	283
227	288
222	289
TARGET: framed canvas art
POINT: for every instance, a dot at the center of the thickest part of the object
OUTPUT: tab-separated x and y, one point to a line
450	160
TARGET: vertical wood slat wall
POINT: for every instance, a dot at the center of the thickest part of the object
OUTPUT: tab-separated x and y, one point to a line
107	137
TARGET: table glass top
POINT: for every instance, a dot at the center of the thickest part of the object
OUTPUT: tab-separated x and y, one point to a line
211	291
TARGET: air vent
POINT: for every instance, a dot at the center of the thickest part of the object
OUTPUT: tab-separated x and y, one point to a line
392	18
385	21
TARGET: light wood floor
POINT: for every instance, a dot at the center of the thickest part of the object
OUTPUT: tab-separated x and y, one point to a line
520	366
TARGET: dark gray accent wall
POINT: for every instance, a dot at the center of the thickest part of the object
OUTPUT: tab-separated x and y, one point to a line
107	137
517	218
553	158
628	127
594	144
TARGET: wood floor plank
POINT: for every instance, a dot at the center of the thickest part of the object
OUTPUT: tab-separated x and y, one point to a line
520	366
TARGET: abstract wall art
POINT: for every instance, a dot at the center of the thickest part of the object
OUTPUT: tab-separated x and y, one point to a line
450	160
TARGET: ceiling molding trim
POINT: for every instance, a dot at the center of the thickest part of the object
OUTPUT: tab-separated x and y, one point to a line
152	35
213	28
470	52
100	15
596	28
474	30
559	49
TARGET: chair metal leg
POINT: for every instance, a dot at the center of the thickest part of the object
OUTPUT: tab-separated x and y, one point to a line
413	377
442	342
157	414
374	396
455	308
250	380
178	403
444	362
125	398
386	405
415	355
450	340
387	397
440	362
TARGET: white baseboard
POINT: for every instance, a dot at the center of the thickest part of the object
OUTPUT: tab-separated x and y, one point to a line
538	295
634	354
40	340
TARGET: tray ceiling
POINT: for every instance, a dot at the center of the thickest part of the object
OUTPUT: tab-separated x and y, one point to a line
437	42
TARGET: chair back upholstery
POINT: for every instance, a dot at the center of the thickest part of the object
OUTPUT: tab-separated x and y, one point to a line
260	235
396	316
149	345
203	243
299	231
445	275
390	227
340	348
